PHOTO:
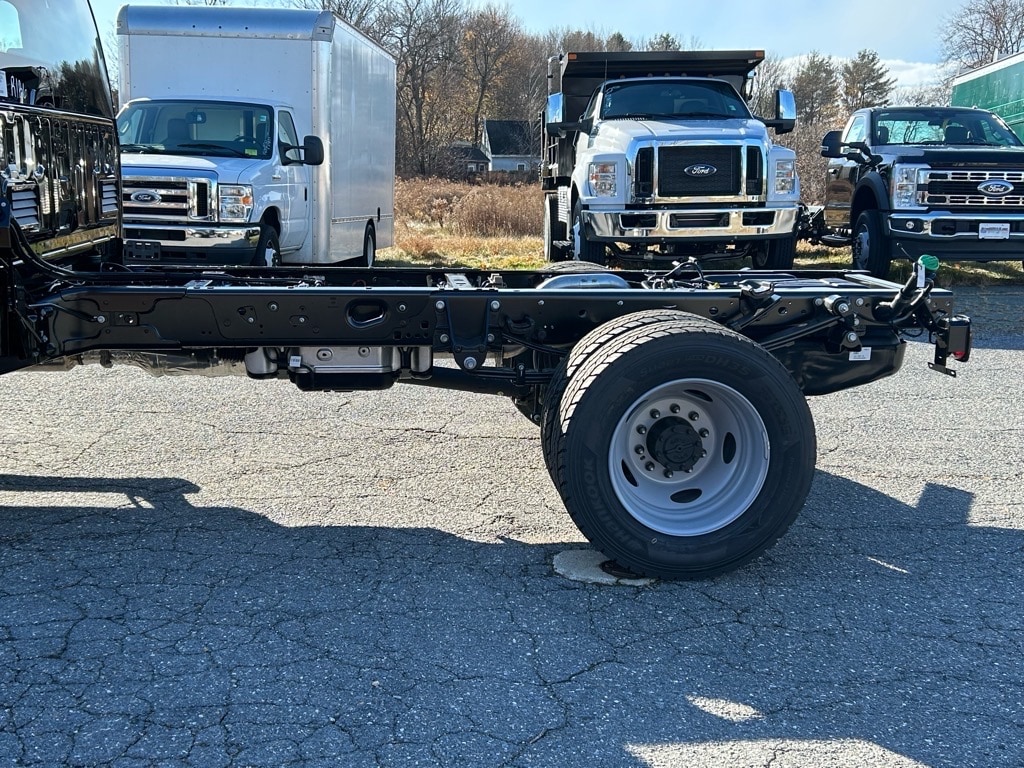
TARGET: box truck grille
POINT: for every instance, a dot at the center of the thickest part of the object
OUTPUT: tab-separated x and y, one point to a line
959	188
675	181
166	199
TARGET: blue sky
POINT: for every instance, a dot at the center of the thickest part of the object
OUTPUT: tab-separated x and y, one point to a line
903	32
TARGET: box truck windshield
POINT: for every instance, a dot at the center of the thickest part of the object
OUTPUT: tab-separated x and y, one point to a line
218	129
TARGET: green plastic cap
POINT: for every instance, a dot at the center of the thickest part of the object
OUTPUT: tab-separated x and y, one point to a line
929	262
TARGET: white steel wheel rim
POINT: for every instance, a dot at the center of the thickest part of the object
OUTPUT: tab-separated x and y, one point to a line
689	457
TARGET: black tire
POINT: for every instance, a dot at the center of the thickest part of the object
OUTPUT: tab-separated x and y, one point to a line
778	253
369	254
554	231
871	245
584	249
268	248
593	342
688	503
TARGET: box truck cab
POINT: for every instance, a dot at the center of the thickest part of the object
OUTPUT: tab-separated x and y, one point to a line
290	161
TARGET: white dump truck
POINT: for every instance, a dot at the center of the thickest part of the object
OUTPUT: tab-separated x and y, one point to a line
655	156
253	136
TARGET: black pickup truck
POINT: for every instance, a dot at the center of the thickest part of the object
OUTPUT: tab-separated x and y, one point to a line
907	181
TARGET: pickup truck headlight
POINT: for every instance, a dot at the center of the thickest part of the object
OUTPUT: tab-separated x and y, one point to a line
602	179
235	202
785	177
905	180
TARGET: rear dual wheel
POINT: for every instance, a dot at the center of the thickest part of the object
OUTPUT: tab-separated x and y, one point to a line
680	448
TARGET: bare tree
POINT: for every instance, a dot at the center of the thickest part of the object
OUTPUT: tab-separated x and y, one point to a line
365	15
487	46
983	30
771	74
424	37
866	82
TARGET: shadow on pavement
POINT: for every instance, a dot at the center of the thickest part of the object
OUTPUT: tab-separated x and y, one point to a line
138	629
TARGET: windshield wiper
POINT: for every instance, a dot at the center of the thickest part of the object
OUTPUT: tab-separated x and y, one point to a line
218	147
141	148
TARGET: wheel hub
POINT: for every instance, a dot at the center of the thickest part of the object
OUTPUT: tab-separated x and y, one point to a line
674	444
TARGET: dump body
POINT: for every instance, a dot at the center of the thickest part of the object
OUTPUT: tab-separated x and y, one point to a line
211	143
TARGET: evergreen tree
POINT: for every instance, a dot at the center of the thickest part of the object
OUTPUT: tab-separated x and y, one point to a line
866	82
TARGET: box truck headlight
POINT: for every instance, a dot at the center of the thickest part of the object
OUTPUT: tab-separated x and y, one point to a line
905	180
602	179
785	177
235	202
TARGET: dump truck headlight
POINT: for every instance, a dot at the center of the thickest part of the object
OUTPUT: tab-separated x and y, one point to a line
602	179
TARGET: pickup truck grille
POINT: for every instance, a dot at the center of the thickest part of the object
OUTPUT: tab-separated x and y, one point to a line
165	198
674	181
959	188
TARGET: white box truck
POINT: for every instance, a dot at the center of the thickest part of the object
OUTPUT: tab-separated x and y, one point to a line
253	136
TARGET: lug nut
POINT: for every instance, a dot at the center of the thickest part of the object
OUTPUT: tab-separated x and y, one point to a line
655	413
675	408
641	430
704	432
649	466
668	473
694	415
639	450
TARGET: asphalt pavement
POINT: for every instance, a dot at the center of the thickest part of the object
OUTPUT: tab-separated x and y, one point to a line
224	572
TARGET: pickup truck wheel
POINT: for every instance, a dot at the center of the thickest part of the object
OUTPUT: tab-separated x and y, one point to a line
554	230
369	255
585	250
682	450
778	253
870	245
597	339
268	249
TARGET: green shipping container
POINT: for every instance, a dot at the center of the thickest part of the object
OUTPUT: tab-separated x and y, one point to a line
997	87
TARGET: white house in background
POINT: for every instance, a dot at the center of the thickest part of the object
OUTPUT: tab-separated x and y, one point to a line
511	145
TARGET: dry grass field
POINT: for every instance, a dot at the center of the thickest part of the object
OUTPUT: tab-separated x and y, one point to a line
443	223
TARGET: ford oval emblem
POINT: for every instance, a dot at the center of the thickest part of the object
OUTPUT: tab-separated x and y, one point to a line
995	188
145	196
700	169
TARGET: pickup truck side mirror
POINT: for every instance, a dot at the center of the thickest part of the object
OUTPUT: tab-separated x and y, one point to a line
831	144
312	152
785	112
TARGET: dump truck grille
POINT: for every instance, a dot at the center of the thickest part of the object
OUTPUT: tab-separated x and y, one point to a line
698	171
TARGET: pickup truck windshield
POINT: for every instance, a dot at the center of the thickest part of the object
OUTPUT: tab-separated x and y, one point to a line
947	127
218	129
667	99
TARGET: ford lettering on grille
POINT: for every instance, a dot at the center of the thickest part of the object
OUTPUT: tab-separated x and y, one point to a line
145	196
995	188
700	169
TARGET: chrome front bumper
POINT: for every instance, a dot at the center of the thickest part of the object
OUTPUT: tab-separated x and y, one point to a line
690	224
233	245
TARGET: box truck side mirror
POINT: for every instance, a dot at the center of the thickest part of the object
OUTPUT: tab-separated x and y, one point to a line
312	152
